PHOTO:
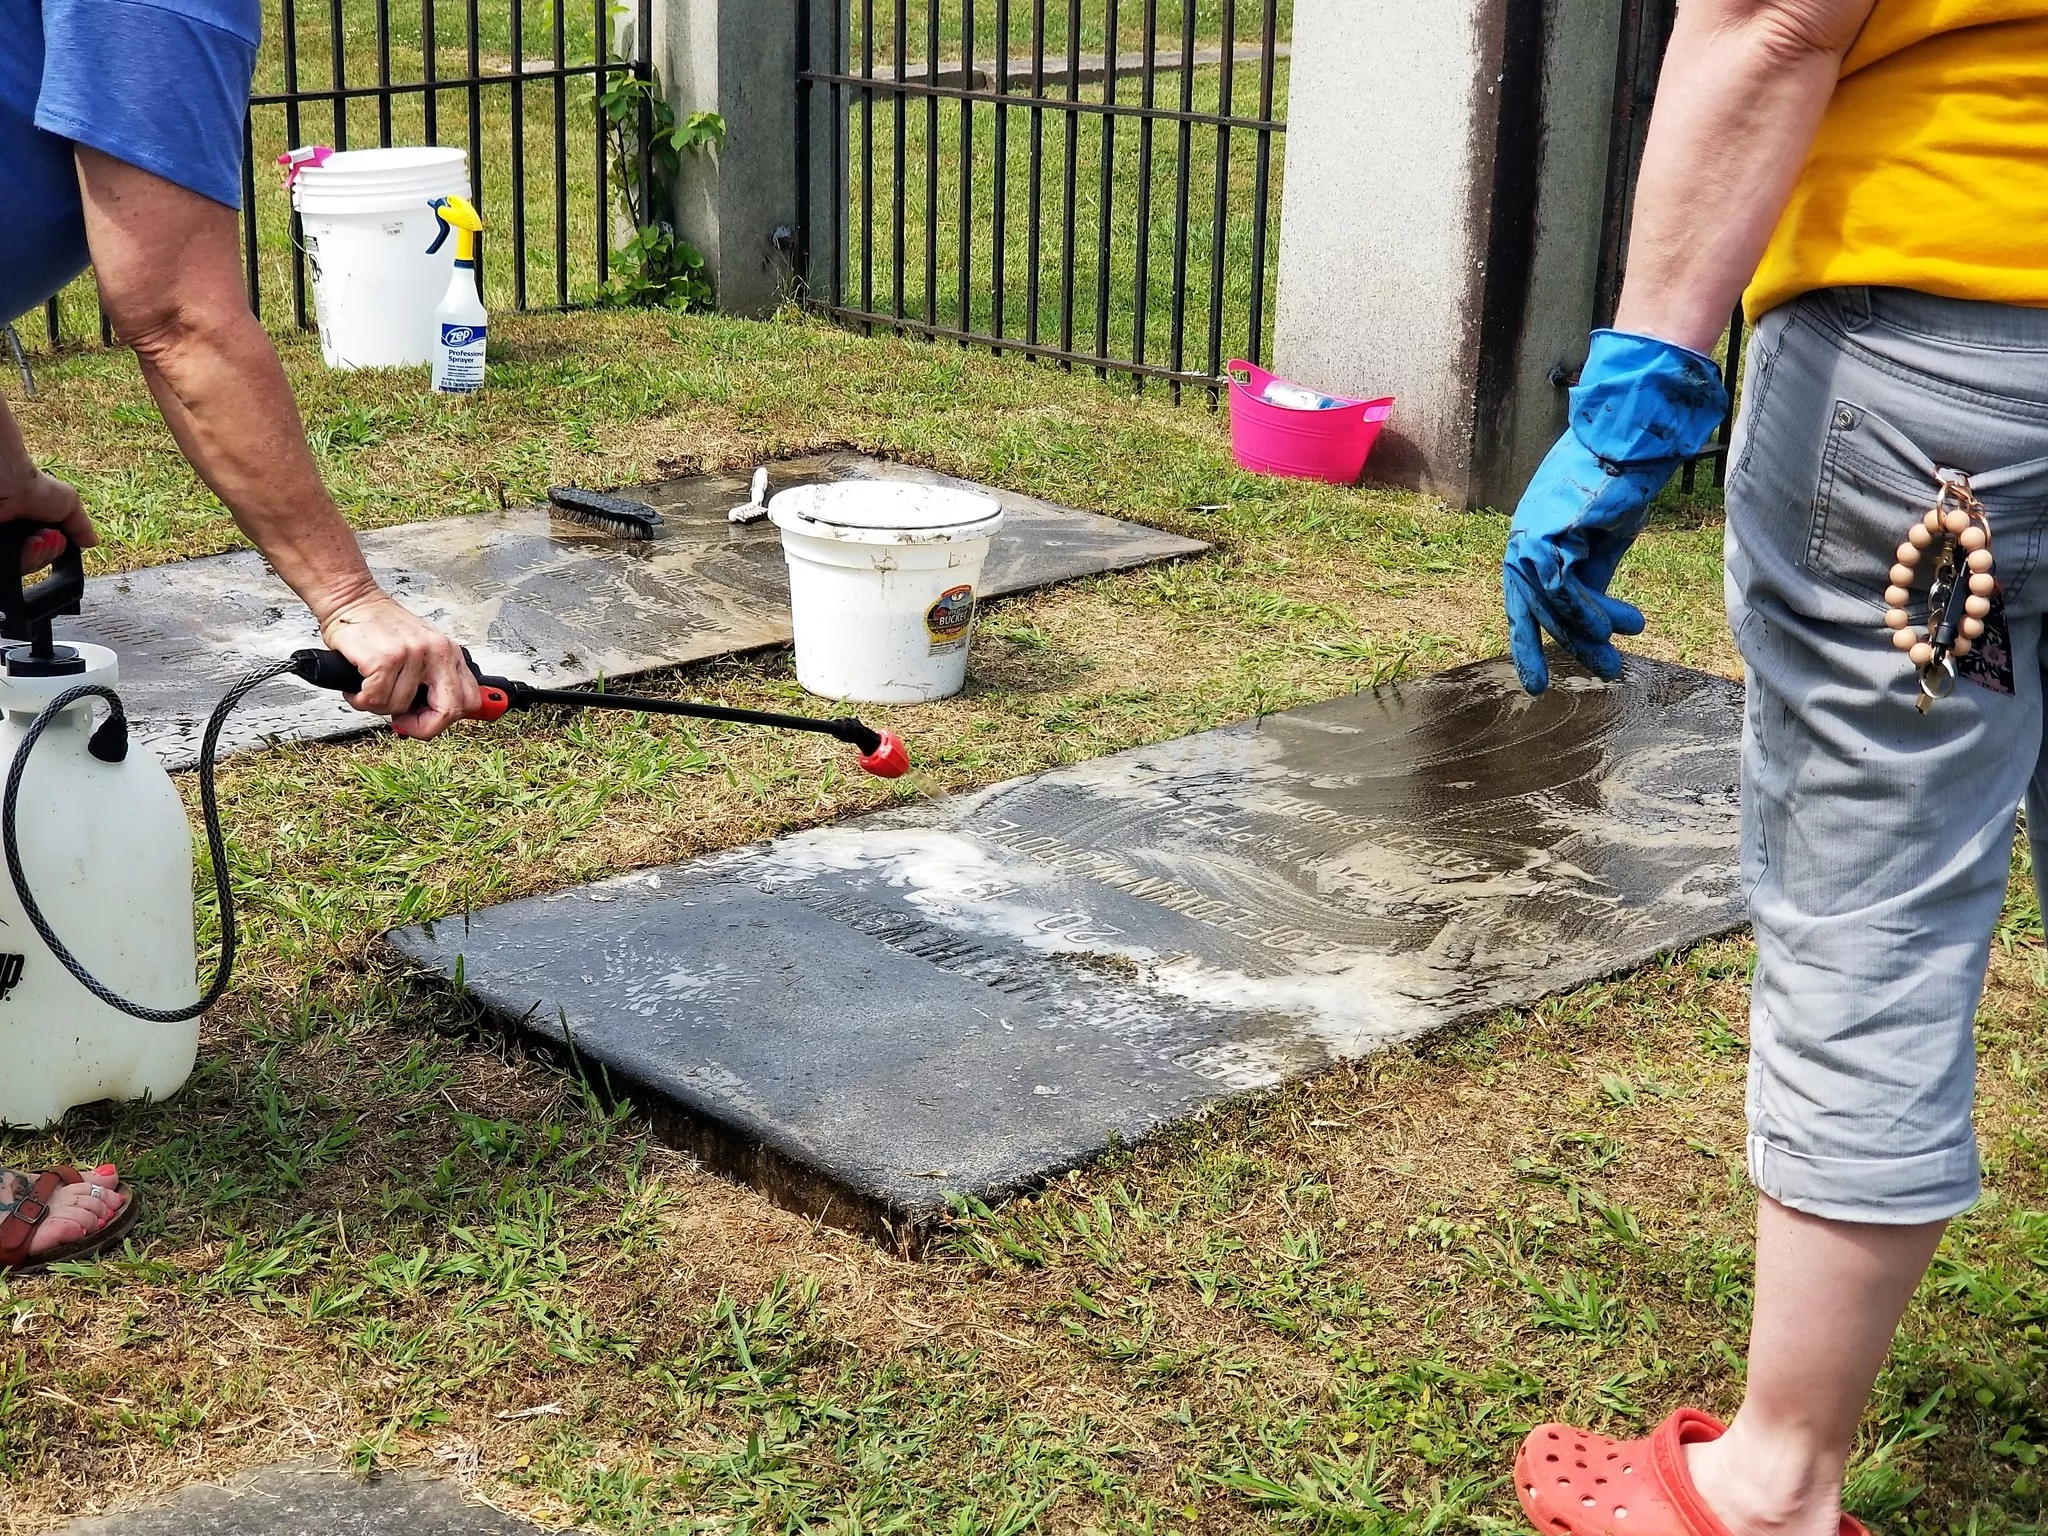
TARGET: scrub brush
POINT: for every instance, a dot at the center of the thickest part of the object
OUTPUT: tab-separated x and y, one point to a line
757	502
620	516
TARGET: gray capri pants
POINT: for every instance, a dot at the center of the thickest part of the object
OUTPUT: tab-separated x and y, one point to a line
1877	840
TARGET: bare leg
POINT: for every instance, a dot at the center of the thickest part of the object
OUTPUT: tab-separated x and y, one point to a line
1829	1296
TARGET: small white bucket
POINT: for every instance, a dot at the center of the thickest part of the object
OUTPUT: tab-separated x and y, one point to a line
367	226
882	576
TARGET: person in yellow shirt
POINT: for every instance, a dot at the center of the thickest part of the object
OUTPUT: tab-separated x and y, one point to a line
1870	177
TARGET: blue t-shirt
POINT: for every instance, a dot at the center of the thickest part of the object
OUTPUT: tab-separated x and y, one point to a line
160	84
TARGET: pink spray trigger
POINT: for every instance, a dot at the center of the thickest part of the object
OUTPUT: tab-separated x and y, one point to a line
305	158
890	759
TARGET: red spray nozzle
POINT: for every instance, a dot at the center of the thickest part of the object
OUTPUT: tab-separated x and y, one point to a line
890	759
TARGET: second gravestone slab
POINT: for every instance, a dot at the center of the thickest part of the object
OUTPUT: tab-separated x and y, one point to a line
553	603
973	994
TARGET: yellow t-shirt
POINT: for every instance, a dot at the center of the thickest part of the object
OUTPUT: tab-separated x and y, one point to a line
1931	167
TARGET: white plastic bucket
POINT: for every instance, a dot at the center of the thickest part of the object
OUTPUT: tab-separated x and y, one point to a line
882	577
367	228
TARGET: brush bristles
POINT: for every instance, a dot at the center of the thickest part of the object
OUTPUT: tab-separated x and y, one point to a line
621	516
622	527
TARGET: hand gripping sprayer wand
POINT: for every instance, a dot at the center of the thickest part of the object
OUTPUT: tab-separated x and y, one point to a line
38	668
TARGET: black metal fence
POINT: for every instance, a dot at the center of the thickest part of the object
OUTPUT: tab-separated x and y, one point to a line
1645	35
1090	182
519	83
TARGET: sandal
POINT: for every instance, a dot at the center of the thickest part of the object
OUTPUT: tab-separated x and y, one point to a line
18	1229
1572	1483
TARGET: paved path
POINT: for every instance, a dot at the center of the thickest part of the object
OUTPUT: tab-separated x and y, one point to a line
302	1499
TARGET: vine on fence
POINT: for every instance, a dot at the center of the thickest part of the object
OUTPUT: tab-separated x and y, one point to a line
657	267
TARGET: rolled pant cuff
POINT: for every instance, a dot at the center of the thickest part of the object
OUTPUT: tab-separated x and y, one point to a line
1886	1192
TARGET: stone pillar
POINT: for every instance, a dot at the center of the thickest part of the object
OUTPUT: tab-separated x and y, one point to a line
741	205
1441	223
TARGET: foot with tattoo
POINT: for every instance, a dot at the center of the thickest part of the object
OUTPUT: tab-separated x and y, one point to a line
61	1214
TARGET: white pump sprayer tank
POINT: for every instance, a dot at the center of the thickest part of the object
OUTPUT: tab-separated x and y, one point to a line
108	853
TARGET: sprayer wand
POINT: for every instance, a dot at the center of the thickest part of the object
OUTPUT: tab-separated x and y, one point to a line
882	753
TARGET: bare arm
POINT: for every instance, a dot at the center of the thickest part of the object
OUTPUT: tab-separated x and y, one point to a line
170	275
27	493
1744	86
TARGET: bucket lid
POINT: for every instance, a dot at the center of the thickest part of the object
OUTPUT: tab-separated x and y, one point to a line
404	160
886	512
375	180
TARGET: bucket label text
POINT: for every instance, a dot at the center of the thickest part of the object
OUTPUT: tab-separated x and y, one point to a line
948	620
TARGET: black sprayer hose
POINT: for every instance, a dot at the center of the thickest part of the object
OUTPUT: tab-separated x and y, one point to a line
110	741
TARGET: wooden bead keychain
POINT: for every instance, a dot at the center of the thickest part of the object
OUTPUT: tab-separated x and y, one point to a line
1958	601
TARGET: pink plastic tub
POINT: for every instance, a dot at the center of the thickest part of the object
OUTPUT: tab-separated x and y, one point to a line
1307	445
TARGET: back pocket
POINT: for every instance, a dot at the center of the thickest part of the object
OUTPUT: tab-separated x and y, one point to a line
1875	483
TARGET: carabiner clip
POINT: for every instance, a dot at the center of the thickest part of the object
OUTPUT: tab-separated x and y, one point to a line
1937	681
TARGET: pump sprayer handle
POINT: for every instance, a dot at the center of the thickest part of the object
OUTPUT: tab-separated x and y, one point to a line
24	607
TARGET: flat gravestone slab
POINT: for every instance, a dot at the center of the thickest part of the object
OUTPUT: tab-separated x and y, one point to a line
534	597
976	993
301	1499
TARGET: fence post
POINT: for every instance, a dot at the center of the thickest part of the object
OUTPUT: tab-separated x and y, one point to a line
742	206
1441	223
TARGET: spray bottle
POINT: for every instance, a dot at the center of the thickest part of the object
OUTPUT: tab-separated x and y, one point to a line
460	322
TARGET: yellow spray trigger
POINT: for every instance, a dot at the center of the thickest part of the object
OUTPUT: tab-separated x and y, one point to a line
459	214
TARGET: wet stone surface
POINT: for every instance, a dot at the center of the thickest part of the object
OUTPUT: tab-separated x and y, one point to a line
302	1499
973	994
553	602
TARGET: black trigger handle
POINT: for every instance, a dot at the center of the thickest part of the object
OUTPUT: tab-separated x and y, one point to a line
26	610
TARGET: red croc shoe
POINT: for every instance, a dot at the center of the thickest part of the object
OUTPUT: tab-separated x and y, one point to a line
1572	1483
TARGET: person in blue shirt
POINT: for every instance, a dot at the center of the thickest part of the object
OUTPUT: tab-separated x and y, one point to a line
121	147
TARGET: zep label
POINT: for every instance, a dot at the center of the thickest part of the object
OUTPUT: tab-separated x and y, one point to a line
459	365
947	621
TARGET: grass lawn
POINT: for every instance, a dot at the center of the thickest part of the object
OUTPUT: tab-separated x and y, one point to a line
378	1234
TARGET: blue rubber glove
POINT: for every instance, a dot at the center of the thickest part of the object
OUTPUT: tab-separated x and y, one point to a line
1642	408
